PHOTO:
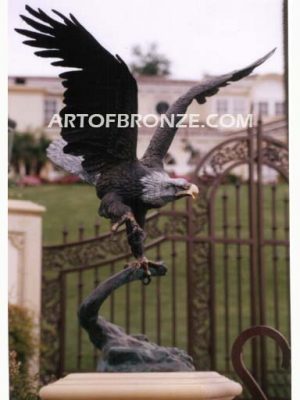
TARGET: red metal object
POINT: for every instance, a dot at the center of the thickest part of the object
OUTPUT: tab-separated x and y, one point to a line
237	356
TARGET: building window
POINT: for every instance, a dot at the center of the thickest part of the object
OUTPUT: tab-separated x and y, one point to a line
162	107
20	81
238	106
279	108
222	106
263	108
50	108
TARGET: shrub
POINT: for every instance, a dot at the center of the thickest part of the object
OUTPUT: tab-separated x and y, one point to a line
21	385
21	338
22	344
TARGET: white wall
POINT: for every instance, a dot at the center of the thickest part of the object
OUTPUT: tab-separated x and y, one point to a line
268	90
26	108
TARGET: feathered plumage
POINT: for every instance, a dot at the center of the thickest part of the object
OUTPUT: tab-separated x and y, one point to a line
100	83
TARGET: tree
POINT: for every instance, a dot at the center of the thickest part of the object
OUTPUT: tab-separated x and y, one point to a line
29	151
22	152
39	153
149	62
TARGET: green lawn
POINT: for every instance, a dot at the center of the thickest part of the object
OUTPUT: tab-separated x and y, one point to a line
67	206
71	205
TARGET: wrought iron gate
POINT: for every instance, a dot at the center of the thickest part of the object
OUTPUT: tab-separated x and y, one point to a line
228	258
241	247
71	270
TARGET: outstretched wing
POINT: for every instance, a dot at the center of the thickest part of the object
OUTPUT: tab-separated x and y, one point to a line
98	83
164	135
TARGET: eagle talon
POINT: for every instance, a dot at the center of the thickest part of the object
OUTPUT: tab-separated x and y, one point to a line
127	217
115	227
146	280
141	263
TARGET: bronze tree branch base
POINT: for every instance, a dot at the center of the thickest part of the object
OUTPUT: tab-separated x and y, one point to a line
121	352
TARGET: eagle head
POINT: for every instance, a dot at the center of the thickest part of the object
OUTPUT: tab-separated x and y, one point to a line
159	188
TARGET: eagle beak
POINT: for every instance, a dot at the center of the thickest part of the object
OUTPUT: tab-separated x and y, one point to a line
191	191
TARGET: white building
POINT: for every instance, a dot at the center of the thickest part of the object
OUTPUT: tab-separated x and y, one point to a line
32	102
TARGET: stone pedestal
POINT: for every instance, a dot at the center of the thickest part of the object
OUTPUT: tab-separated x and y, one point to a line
24	261
25	252
143	386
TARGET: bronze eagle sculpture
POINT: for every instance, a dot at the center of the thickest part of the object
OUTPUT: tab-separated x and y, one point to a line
106	157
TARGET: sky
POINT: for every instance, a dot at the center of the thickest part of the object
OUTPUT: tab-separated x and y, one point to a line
198	36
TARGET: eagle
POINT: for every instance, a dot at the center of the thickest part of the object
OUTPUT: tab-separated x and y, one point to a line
98	82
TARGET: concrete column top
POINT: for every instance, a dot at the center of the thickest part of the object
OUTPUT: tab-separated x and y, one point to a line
25	207
142	386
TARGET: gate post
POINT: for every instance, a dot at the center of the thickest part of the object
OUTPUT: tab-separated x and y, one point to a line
260	254
198	288
190	286
253	246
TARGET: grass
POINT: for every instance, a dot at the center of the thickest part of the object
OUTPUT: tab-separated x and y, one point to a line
67	206
73	204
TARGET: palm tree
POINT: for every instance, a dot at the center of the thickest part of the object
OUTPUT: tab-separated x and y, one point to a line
39	154
30	152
